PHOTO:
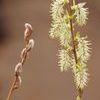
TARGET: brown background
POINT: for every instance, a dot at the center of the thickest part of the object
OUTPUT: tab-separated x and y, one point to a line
41	78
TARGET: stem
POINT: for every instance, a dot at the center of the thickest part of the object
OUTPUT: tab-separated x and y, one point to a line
11	90
72	33
13	87
23	56
73	42
80	92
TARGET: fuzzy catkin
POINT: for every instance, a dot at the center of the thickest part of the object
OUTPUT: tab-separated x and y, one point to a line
75	50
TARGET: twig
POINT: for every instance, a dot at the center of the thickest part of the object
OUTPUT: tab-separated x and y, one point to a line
80	92
29	44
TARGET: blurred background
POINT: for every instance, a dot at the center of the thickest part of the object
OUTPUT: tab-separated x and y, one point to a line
41	78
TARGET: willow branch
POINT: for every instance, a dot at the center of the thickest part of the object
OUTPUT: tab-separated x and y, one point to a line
80	92
29	43
72	33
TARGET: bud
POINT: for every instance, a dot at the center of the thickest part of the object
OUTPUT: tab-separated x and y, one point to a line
30	44
23	53
27	25
18	82
28	30
18	68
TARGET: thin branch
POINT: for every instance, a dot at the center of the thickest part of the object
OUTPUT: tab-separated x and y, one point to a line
29	43
72	33
80	92
11	90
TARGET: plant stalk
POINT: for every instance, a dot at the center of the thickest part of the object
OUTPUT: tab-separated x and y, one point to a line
11	90
80	92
